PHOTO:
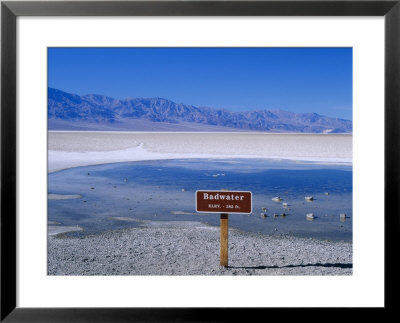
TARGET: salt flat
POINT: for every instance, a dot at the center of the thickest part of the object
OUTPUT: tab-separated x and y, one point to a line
183	247
81	148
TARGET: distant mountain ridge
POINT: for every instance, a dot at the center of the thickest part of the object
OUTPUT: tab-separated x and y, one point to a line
98	112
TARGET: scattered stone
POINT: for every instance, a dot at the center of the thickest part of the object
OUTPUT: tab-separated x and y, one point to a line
310	216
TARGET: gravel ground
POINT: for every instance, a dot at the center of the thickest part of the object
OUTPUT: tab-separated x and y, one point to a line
192	248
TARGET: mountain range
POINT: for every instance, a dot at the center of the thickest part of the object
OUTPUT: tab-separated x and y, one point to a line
68	111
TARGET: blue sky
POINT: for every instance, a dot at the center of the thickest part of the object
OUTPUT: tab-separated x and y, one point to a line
238	79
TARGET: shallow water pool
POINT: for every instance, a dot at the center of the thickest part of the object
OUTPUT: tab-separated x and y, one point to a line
121	195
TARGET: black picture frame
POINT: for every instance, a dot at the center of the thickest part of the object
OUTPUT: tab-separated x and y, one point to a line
10	10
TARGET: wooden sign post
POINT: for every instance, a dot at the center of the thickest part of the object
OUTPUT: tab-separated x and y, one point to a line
223	254
223	202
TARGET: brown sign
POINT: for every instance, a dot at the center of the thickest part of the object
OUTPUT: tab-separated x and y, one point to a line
223	202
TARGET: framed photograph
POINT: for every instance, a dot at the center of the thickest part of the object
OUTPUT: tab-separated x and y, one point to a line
167	160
